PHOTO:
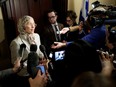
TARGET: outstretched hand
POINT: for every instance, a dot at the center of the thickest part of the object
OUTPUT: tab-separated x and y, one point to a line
64	30
58	45
107	63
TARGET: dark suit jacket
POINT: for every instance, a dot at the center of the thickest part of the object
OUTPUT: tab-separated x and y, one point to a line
48	36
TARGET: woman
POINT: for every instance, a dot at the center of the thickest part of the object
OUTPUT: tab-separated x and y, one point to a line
26	27
70	22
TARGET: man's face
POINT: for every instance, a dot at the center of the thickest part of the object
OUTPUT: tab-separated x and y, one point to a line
52	17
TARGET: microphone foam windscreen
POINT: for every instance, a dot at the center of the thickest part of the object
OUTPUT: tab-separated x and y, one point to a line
42	48
33	47
23	46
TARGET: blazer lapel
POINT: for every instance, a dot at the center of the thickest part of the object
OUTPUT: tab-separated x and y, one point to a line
24	40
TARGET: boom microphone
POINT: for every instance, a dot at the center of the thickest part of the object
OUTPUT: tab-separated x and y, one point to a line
33	60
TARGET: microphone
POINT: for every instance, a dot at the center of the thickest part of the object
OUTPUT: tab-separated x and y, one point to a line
22	49
21	53
43	49
33	47
33	60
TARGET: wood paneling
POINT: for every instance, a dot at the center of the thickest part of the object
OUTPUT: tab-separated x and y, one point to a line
14	9
61	7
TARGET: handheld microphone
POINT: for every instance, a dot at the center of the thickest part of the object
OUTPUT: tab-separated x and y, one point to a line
21	53
33	60
33	48
43	49
22	49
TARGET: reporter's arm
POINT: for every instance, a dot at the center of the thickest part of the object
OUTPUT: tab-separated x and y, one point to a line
71	29
5	73
74	28
77	27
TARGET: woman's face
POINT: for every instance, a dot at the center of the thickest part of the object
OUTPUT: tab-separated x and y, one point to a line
69	21
30	26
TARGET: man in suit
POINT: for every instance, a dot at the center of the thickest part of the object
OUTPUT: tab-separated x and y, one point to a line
51	31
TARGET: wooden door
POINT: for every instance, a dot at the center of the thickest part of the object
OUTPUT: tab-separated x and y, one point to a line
14	9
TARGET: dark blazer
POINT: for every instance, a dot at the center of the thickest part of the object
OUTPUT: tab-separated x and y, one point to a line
48	36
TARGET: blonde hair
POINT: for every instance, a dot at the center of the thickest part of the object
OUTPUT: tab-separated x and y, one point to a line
22	21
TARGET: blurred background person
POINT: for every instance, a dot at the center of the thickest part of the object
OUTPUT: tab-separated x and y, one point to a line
91	79
71	21
51	30
79	57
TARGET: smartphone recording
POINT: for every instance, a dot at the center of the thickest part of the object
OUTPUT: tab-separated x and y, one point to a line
42	68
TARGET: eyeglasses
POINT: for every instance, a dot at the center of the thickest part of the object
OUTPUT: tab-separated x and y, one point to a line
51	17
68	20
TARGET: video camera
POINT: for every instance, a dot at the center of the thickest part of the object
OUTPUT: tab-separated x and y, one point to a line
108	19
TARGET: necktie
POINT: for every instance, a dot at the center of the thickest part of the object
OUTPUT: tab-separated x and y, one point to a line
57	31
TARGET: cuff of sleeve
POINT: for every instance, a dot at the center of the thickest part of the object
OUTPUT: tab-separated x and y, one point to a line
68	43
